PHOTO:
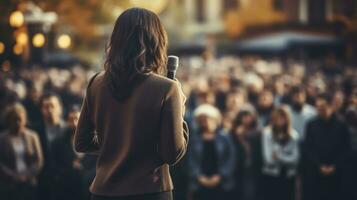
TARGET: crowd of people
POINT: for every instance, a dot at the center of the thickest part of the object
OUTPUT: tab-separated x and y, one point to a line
259	129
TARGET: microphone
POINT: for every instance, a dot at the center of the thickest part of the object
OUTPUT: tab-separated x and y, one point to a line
172	65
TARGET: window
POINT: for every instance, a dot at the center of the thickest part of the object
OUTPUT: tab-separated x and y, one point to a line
200	10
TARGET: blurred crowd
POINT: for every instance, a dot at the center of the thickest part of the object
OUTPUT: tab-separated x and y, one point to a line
259	129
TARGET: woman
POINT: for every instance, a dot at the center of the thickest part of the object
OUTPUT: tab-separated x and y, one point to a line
211	158
132	117
280	157
246	138
20	157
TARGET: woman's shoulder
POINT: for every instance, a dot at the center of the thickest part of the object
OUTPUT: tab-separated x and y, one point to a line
163	83
162	80
30	133
294	134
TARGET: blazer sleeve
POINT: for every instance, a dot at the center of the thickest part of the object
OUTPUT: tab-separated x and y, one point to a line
85	139
39	155
173	129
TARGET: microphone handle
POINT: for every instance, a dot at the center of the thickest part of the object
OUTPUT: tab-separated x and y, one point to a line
171	74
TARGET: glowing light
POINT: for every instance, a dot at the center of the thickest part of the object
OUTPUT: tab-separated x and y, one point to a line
2	47
18	49
17	19
38	40
22	38
64	41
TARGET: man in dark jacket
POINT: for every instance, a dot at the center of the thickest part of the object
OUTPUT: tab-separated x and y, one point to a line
50	128
325	150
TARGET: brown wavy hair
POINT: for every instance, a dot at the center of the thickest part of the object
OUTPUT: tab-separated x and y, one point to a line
284	131
137	47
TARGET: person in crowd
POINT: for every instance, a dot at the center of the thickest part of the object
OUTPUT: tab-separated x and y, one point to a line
246	137
281	90
265	107
325	150
21	157
301	112
280	147
7	97
211	157
52	127
72	93
51	108
255	87
68	163
235	100
338	102
350	173
32	104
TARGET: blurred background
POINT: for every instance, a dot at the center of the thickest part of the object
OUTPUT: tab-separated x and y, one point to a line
248	68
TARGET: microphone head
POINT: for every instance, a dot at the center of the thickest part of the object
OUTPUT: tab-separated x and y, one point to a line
172	63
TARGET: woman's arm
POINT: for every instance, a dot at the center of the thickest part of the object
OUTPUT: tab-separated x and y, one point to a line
174	130
39	156
85	138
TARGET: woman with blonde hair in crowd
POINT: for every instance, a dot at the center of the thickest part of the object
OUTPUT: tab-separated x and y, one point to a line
280	146
20	157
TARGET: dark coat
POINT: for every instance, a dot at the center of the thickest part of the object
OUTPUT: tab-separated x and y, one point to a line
326	143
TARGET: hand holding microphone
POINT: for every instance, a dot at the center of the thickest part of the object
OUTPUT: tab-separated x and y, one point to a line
172	66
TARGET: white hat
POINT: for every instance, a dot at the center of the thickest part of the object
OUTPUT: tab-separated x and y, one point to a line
209	111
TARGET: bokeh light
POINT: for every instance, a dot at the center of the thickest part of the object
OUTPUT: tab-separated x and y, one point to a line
38	40
17	19
2	47
18	49
22	38
64	41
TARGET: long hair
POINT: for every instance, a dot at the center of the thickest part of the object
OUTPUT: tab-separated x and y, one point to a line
137	47
284	131
238	120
